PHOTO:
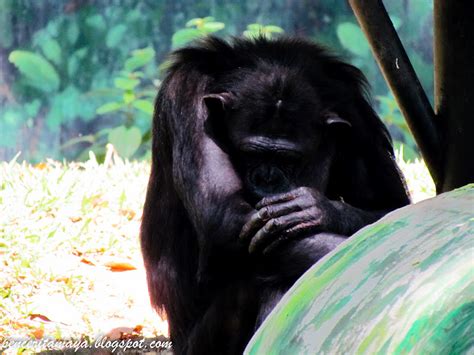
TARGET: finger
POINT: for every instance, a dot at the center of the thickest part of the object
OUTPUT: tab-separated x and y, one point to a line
258	219
286	196
281	209
302	228
276	226
270	200
255	222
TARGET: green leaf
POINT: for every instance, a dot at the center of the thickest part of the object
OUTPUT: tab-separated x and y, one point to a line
140	57
128	97
126	83
96	21
32	108
133	15
51	50
211	27
74	60
39	73
352	38
109	107
184	36
273	29
70	101
81	53
194	22
53	26
144	106
115	35
396	21
388	102
39	37
72	32
54	116
422	69
254	27
64	107
12	117
126	141
72	65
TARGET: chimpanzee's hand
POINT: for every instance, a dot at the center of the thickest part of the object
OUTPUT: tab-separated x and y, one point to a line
300	212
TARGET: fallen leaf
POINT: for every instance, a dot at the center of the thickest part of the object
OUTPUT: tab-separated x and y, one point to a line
119	266
129	214
64	279
20	325
87	261
138	329
33	316
77	252
41	166
119	333
38	333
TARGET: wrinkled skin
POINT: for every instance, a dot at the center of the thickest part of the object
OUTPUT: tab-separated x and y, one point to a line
298	213
266	155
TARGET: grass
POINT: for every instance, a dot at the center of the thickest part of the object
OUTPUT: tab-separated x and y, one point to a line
70	265
69	252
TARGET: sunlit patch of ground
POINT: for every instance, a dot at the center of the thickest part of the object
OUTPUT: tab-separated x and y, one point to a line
70	264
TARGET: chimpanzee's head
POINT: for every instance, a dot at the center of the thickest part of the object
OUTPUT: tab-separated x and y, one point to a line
275	127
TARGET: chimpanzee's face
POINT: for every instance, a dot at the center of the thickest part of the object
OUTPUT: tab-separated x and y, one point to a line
274	129
270	146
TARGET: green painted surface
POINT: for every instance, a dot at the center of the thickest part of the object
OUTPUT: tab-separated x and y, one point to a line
402	285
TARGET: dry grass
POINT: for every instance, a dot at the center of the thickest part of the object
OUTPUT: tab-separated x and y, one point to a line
69	251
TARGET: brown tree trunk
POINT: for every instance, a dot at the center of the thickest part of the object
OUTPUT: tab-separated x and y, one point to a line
454	89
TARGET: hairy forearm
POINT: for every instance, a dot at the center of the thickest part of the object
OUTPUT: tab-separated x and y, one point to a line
288	262
350	219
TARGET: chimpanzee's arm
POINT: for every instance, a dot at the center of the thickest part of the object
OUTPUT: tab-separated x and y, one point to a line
203	175
283	265
215	201
300	213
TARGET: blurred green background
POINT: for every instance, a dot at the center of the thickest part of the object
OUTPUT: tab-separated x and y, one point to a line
78	74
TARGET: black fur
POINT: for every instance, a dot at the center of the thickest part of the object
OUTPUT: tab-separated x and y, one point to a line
213	292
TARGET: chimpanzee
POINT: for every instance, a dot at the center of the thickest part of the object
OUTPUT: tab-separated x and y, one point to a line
266	155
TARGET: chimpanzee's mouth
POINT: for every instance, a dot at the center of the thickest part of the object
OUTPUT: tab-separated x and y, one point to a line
267	179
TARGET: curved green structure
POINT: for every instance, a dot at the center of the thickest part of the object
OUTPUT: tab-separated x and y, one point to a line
402	285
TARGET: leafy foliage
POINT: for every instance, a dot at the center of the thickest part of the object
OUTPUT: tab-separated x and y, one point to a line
76	75
125	140
195	28
37	71
132	99
352	38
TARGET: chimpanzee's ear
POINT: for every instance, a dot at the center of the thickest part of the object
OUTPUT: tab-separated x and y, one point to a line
332	119
215	124
218	104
